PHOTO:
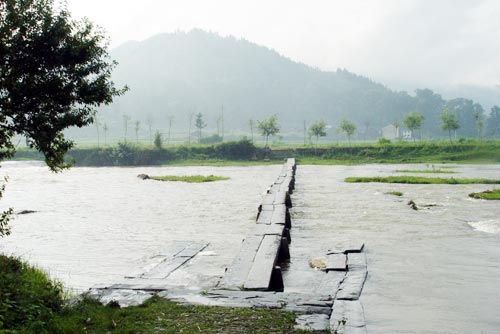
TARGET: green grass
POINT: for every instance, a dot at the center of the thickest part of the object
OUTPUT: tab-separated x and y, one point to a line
158	315
30	303
487	194
395	193
425	171
28	298
223	163
419	180
190	178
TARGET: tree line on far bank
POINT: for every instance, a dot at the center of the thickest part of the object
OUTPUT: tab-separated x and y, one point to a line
450	123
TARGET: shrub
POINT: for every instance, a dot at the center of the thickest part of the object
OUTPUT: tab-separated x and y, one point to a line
27	296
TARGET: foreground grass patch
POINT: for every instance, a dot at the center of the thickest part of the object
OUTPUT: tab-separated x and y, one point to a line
426	171
419	180
190	178
158	315
487	194
30	303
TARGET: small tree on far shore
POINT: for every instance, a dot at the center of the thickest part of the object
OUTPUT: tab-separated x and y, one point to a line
318	129
413	121
137	127
200	124
158	140
268	127
449	122
348	128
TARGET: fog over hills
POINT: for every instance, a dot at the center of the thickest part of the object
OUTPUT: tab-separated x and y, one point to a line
179	74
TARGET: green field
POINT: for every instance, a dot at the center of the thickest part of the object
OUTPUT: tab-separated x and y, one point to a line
190	178
487	194
419	180
244	153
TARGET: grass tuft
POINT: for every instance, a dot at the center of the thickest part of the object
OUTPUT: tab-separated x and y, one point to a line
419	180
426	171
395	193
487	194
189	179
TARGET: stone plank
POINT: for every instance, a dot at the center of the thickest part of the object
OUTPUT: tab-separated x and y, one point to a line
336	262
191	250
279	214
347	248
356	260
348	317
312	322
330	282
263	229
351	287
165	268
259	276
237	273
265	217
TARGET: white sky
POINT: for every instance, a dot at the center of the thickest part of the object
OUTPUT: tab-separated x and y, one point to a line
401	43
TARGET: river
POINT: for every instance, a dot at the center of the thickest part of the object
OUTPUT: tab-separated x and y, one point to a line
435	270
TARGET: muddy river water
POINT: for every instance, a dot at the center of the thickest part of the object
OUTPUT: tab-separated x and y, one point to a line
435	270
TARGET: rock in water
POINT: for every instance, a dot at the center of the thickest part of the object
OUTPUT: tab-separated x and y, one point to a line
413	205
25	212
318	263
143	176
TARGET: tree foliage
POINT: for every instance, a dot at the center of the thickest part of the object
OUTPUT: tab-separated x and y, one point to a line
348	128
54	73
449	121
200	124
318	129
158	140
413	121
268	127
493	123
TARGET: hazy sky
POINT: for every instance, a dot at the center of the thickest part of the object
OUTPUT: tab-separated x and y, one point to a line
401	43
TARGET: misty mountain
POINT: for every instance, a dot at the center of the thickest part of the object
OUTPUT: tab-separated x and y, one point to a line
181	74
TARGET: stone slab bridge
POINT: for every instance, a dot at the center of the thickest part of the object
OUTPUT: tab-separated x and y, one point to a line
327	299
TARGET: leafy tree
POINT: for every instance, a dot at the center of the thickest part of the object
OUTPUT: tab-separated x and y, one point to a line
430	105
449	122
413	121
468	114
318	129
170	121
348	128
478	117
251	124
149	122
199	123
54	73
97	126
268	127
105	129
137	127
396	124
493	123
158	140
126	119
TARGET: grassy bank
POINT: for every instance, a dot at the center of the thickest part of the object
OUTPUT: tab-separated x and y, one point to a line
487	194
30	303
419	180
245	153
190	178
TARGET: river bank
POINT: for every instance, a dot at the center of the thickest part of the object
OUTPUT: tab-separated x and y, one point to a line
245	153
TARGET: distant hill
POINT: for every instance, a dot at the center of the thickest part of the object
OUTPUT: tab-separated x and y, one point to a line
179	74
